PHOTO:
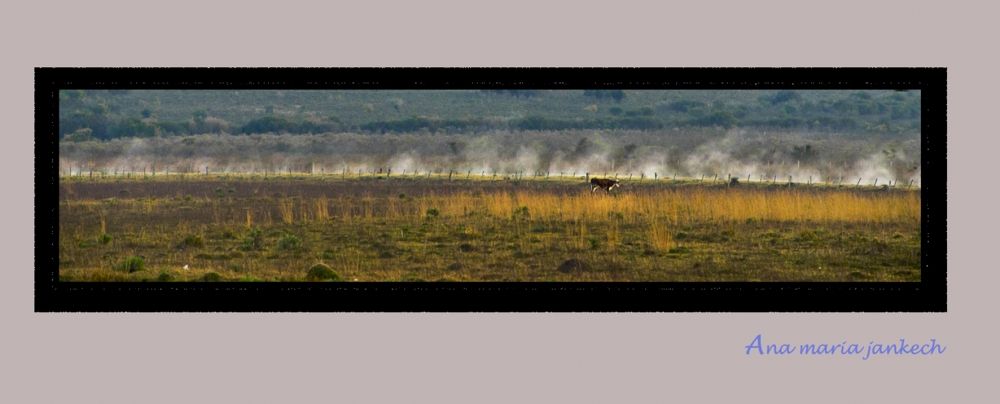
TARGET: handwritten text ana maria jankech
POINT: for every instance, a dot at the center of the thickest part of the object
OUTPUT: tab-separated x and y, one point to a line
902	348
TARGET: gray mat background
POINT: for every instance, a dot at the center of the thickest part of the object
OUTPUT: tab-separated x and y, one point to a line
502	358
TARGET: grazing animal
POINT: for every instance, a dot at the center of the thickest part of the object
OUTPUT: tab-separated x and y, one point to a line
603	183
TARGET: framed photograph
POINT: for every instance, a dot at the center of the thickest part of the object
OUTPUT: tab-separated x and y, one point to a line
491	189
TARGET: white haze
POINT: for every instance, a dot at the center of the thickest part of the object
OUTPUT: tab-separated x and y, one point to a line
729	153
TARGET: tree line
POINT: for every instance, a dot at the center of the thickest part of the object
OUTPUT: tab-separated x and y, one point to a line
90	116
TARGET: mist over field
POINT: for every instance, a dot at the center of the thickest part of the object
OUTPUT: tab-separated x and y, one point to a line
807	135
736	152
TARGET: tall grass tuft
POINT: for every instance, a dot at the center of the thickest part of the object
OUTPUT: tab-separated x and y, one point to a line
659	236
286	210
322	209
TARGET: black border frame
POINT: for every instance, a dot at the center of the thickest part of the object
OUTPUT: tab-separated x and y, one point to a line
928	295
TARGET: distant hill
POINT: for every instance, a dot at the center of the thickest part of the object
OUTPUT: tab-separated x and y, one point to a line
110	114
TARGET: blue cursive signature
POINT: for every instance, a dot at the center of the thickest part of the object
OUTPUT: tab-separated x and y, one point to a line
844	349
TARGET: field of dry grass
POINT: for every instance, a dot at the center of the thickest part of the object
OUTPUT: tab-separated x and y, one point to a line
430	228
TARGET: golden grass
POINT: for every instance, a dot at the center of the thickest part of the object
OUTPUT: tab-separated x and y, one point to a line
513	235
692	204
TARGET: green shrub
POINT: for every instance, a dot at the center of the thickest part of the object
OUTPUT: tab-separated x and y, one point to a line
165	277
132	264
194	240
322	272
104	238
254	239
211	277
432	212
289	242
412	277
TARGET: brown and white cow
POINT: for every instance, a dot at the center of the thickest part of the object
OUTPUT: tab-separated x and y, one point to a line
603	183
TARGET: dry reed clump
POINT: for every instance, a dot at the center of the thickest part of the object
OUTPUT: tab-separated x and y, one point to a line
322	209
660	238
285	207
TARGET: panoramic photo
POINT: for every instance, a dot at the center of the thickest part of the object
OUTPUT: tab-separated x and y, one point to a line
489	186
